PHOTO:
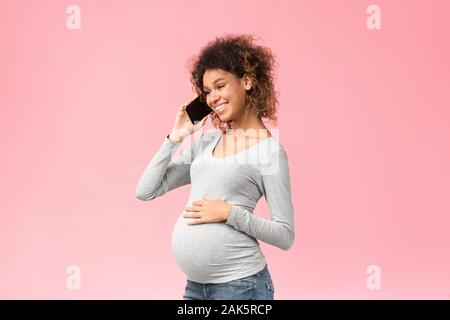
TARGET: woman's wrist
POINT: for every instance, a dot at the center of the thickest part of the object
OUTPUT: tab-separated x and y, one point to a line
228	212
175	138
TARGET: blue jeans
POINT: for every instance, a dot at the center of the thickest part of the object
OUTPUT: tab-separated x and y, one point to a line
255	287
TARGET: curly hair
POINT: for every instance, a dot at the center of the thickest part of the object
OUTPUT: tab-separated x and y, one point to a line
238	54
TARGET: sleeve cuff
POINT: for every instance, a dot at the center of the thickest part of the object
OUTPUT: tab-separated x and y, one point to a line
168	141
236	214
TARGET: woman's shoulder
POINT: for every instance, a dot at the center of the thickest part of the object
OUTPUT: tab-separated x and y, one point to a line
200	140
209	135
275	144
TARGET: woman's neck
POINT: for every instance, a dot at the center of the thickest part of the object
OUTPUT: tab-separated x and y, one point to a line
250	126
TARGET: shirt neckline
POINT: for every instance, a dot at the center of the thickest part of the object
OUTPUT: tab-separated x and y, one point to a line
234	154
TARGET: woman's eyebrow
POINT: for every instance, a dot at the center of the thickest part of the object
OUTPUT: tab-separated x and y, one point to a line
204	87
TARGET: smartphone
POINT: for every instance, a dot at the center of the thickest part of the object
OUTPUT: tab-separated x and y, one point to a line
198	109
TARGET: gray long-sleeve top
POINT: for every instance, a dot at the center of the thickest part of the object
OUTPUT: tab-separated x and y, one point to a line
229	250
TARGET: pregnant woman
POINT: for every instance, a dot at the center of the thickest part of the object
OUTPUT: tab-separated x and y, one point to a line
215	239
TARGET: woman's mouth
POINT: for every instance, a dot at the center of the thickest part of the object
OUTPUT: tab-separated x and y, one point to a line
220	107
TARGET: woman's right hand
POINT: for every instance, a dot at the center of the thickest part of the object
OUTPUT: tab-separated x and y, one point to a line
183	126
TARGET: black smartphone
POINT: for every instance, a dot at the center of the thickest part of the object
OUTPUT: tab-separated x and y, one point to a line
198	109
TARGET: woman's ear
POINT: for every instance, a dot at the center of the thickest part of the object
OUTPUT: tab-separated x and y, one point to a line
247	81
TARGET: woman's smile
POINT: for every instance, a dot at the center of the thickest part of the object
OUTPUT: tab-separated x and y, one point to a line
220	108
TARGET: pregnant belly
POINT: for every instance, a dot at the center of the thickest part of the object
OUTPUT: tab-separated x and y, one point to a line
210	250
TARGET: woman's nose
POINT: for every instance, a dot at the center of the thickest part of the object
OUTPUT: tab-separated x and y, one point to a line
214	99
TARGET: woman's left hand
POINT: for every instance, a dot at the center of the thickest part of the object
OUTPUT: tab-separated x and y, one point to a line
208	211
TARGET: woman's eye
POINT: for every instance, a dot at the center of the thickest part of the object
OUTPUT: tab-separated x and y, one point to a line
206	93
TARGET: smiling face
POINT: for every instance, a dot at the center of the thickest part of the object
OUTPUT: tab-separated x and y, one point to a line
226	89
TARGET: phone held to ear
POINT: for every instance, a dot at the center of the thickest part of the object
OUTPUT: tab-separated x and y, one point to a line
197	110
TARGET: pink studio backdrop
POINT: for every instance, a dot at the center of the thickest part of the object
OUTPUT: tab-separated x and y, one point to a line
364	117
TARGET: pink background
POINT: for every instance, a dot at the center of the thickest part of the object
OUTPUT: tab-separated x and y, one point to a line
364	117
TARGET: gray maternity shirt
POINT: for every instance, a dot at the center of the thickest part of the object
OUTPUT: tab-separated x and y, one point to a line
224	251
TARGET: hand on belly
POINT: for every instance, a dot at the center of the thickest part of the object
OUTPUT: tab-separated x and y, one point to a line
208	211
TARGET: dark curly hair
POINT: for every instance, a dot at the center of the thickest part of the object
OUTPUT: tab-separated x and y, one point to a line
238	55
